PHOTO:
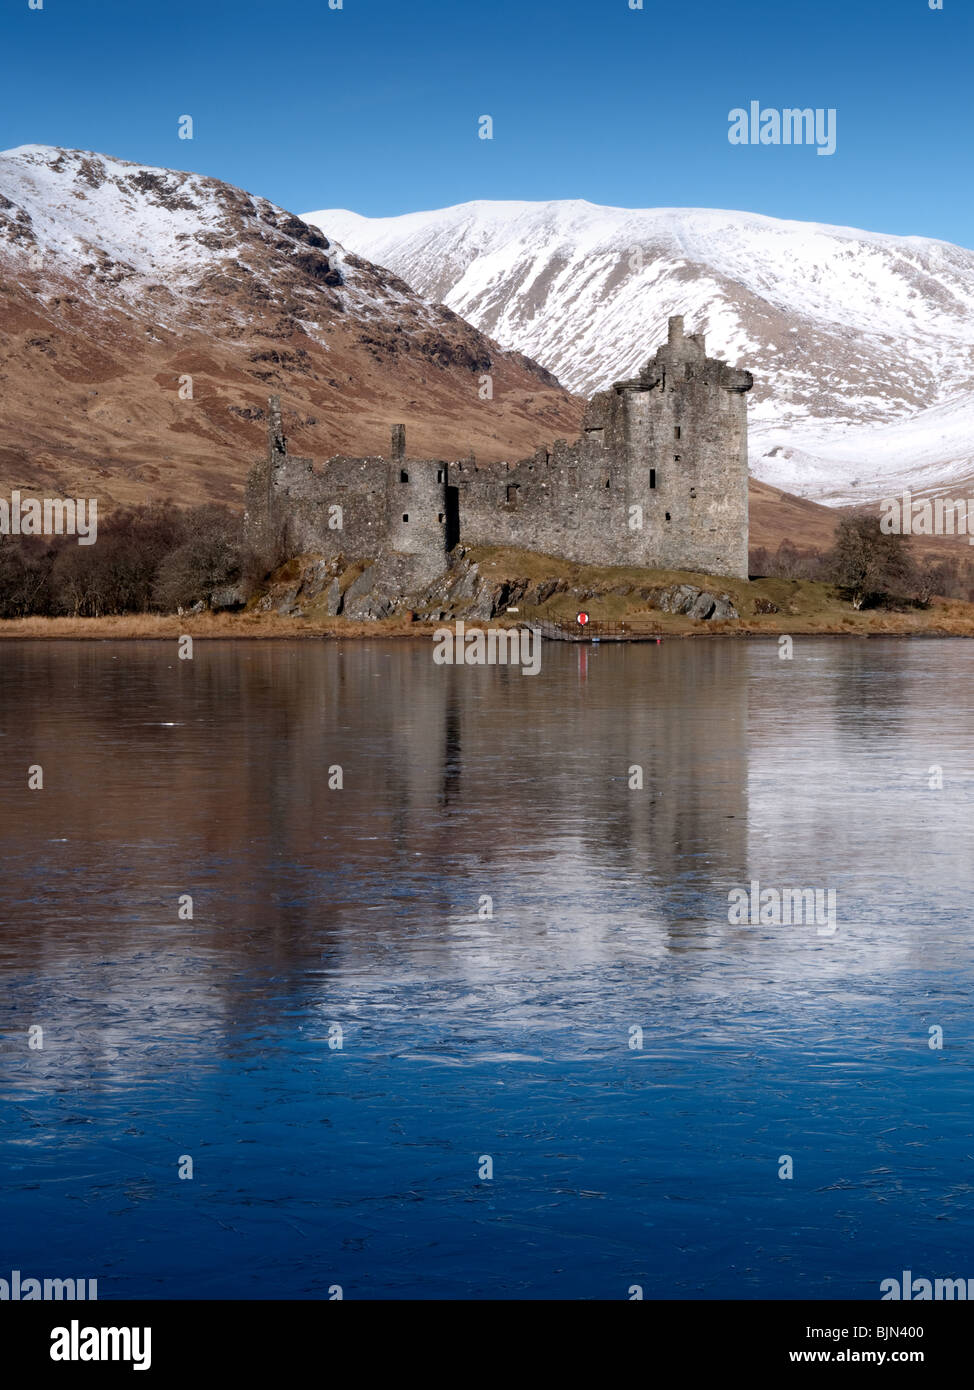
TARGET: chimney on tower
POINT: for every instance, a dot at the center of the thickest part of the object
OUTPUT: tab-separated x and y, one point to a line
276	443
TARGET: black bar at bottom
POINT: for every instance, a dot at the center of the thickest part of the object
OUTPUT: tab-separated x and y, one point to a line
466	1340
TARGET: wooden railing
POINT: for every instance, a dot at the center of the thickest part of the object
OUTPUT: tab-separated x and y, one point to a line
598	632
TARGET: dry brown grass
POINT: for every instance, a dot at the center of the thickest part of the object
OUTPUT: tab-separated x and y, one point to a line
938	621
152	627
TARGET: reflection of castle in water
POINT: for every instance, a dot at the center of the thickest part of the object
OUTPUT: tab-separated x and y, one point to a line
456	780
447	763
216	778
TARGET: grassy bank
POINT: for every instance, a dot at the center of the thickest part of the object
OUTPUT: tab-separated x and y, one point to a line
941	620
802	607
767	608
152	627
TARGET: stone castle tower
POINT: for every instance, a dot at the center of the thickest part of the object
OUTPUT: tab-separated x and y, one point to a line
658	479
677	436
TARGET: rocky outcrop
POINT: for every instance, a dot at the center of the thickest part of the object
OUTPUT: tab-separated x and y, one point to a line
229	599
694	602
364	599
302	584
317	587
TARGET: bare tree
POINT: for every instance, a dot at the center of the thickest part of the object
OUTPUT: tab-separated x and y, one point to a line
873	568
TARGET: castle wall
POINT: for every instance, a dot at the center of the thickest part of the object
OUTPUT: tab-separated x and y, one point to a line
302	499
570	502
658	479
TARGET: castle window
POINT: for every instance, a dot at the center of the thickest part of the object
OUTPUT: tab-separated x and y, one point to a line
652	477
512	492
693	492
667	516
405	516
676	458
441	475
403	478
441	518
607	482
676	431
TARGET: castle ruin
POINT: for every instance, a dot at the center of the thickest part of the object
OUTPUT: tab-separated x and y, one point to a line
658	479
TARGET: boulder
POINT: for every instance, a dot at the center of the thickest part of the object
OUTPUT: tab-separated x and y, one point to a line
228	598
333	599
361	602
680	598
467	586
542	592
285	601
316	578
724	608
702	606
695	603
484	605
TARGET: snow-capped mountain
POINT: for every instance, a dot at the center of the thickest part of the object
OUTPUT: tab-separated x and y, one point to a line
148	314
861	344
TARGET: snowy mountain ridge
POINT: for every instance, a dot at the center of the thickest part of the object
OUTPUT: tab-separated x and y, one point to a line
135	229
861	343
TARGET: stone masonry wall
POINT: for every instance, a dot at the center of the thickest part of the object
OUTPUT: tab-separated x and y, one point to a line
657	479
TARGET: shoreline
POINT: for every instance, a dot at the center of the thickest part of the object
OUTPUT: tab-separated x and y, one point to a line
263	628
520	589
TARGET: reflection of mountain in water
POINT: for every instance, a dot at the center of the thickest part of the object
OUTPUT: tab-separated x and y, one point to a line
211	778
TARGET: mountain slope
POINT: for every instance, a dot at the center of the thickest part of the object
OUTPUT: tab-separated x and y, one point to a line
119	282
862	345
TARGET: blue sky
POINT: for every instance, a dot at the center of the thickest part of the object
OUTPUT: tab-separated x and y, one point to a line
375	106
